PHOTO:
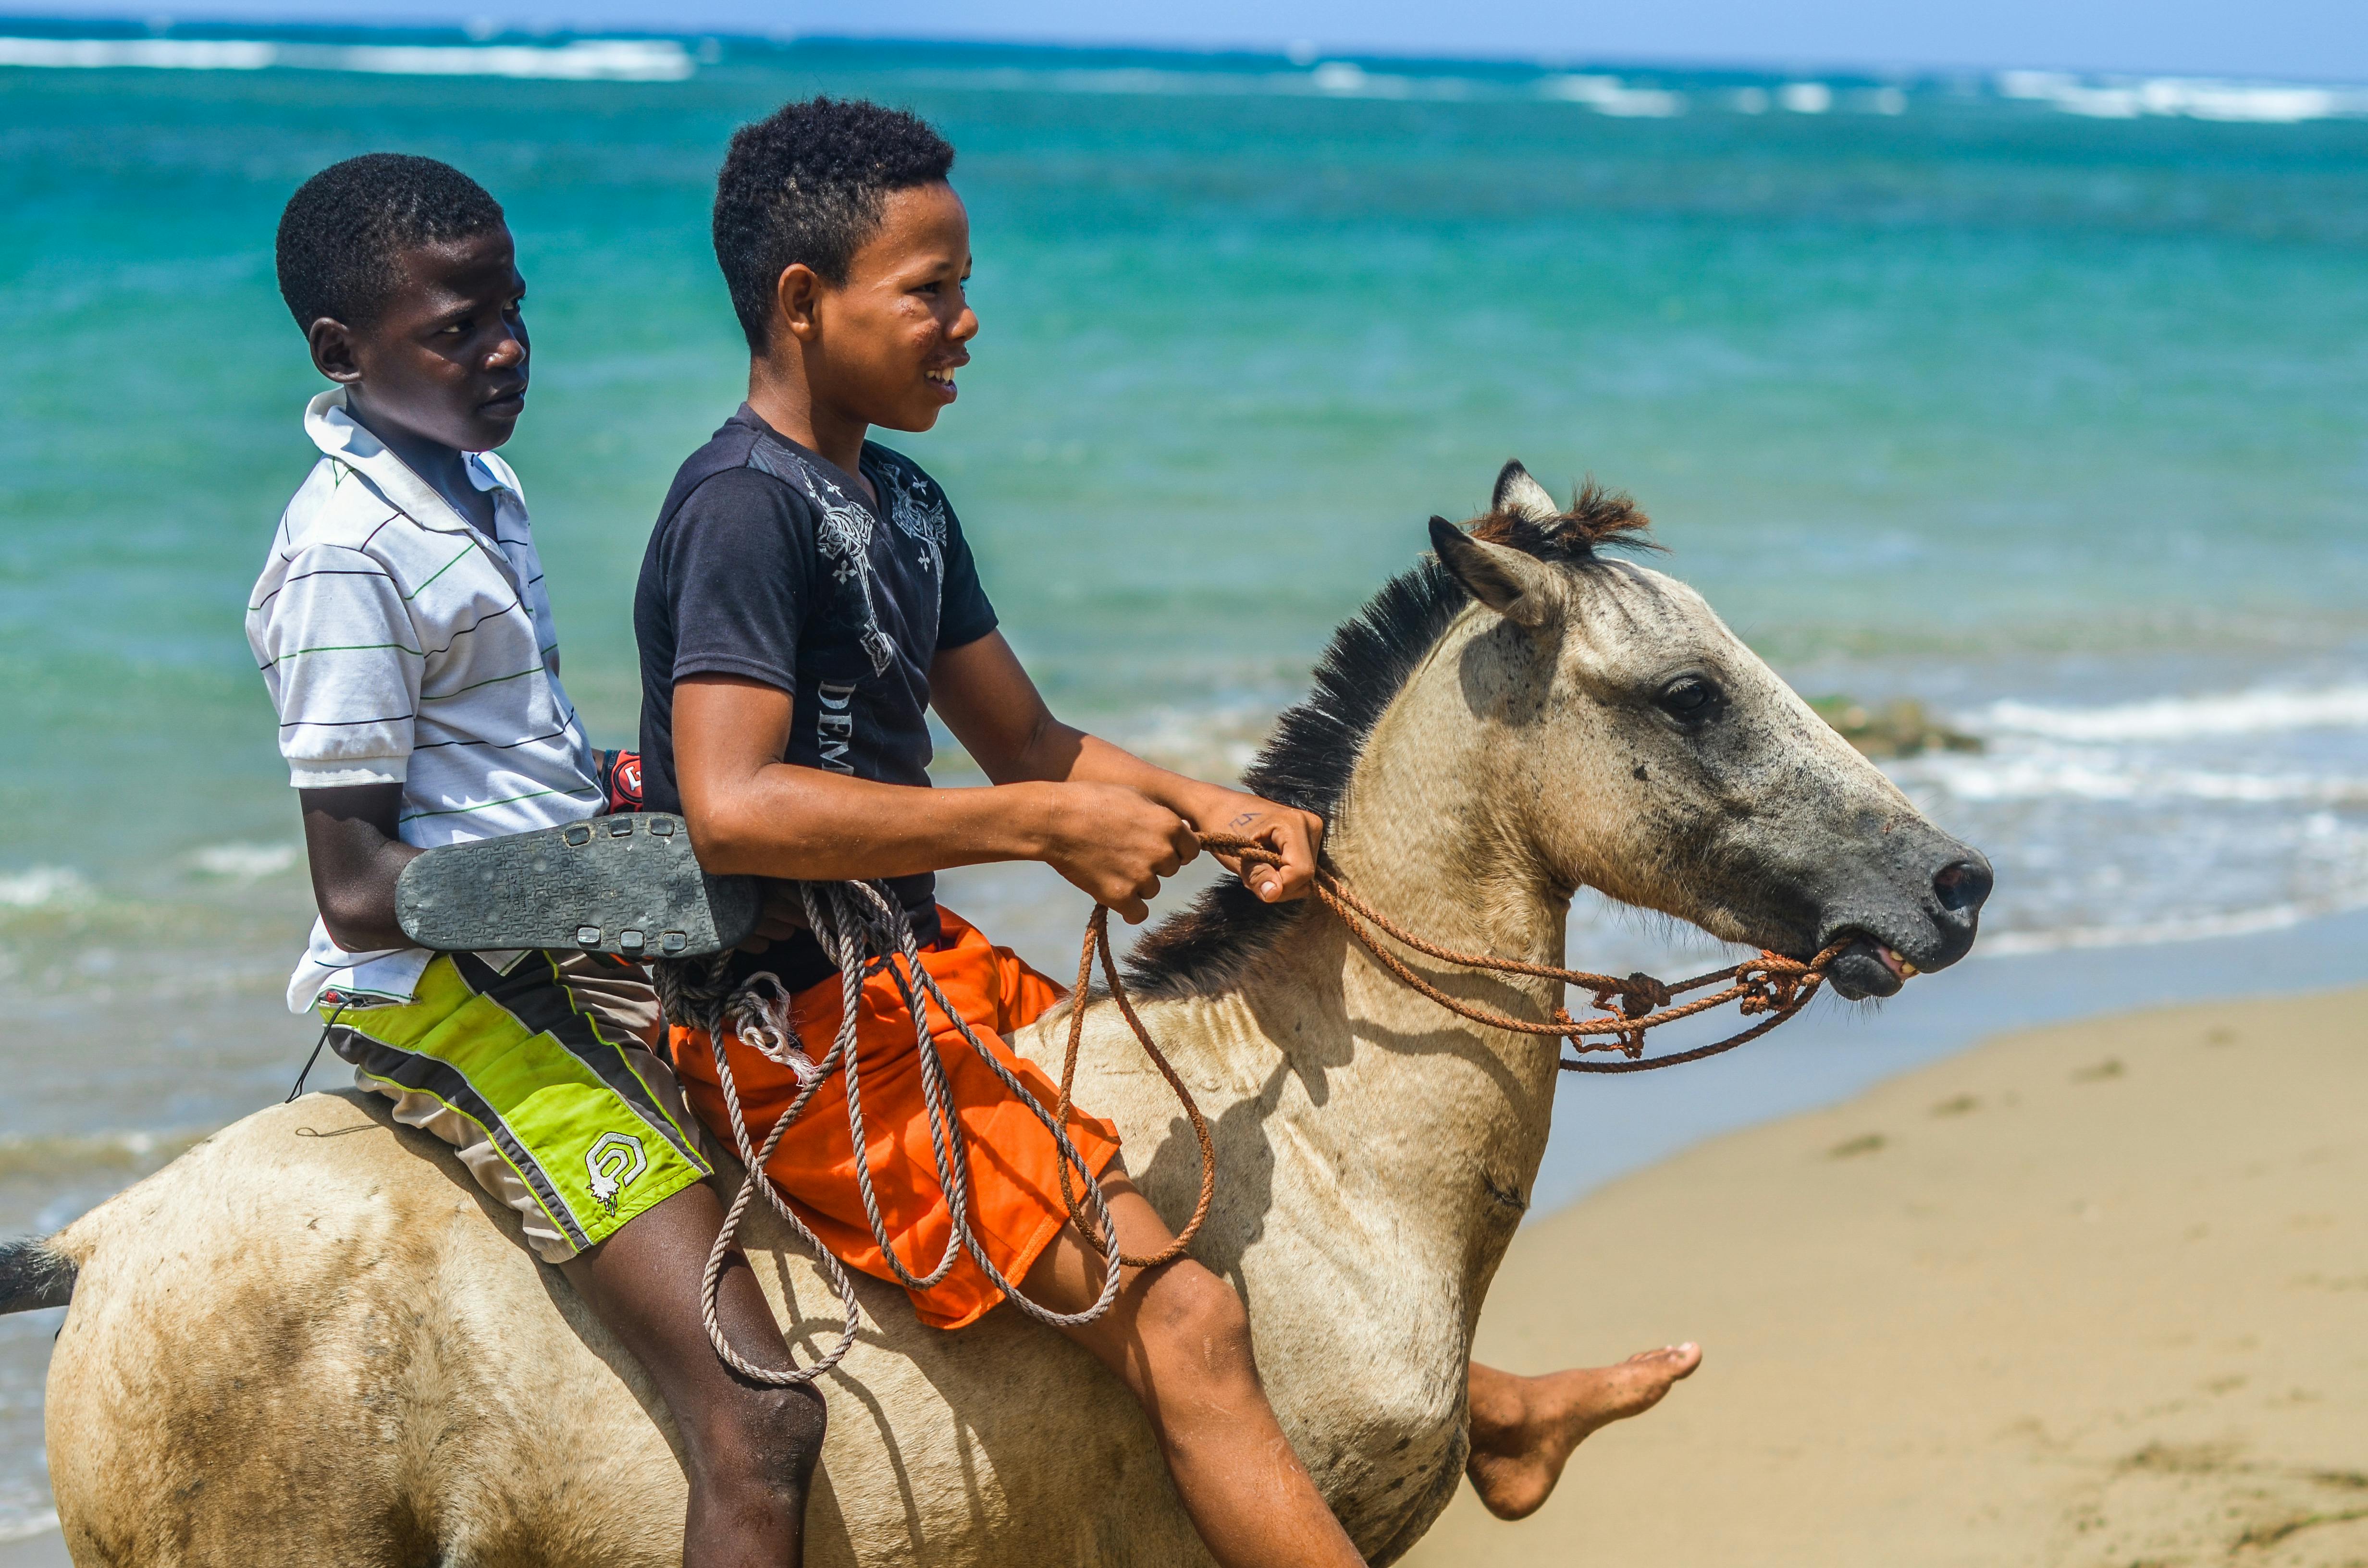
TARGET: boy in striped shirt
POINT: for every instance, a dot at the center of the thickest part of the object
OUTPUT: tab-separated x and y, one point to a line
402	628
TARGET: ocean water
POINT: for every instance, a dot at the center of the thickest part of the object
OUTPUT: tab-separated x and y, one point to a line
2042	400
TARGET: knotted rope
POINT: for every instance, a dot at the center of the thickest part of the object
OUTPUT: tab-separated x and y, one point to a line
862	930
1769	983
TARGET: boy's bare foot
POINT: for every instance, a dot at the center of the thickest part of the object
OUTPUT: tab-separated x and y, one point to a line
1523	1429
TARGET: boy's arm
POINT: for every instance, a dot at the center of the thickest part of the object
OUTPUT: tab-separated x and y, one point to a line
350	843
337	637
751	813
988	699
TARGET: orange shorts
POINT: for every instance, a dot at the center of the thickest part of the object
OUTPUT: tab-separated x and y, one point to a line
1016	1208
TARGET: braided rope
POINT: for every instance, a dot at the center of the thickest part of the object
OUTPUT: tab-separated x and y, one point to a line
861	929
1097	942
1770	984
705	1002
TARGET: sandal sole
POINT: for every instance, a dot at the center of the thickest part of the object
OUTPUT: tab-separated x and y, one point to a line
626	884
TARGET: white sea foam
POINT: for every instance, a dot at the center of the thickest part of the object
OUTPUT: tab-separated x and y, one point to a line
1216	742
2049	777
152	53
2194	928
41	885
2186	718
25	1527
2192	98
1332	78
245	862
583	59
1805	98
1341	76
1610	95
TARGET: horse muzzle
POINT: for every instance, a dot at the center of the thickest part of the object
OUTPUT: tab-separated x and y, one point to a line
1923	917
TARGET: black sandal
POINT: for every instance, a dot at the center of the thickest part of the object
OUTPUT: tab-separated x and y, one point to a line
626	884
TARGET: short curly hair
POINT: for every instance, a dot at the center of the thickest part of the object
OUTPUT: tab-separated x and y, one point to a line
807	184
342	234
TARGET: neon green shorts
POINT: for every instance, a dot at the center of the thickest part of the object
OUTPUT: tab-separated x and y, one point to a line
538	1077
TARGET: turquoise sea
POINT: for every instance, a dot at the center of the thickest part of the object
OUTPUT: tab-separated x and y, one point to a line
2043	401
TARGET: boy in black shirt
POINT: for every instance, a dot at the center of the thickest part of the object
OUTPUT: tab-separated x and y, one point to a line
774	564
807	595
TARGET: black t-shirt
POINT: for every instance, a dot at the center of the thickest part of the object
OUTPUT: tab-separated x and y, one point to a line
768	562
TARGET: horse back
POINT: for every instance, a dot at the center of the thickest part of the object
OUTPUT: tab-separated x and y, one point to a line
311	1341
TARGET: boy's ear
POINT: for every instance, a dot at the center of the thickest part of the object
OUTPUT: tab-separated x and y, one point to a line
794	295
332	342
1519	588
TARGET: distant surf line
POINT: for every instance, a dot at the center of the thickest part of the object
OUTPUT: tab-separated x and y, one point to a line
1620	94
579	60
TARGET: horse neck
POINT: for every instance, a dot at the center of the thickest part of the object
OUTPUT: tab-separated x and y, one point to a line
1438	1124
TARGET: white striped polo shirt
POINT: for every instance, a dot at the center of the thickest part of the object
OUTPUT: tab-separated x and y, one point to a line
403	646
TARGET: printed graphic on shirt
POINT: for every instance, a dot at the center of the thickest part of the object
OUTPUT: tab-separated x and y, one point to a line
921	516
844	537
835	724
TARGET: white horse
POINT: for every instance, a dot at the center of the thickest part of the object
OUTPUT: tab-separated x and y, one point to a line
308	1342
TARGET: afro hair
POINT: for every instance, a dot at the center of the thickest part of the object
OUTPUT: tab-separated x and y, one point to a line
343	233
807	184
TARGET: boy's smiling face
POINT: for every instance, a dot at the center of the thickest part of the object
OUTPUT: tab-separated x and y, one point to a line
446	360
882	347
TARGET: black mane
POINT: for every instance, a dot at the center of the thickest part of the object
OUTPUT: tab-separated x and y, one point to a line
1317	740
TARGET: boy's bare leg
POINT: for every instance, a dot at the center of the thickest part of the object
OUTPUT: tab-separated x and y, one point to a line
1178	1337
1523	1429
749	1450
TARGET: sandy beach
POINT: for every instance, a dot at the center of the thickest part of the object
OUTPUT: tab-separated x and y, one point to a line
2093	1294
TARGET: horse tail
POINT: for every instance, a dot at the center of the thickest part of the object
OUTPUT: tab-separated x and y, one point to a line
34	1274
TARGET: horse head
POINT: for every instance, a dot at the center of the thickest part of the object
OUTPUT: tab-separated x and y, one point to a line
1656	758
1536	714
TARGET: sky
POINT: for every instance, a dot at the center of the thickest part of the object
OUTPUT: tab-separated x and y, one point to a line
2307	39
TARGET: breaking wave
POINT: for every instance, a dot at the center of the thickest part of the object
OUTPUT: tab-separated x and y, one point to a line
582	59
2188	98
245	862
2036	778
2186	718
41	886
2198	928
2162	820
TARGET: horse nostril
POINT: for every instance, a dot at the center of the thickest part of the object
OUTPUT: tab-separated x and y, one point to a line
1963	885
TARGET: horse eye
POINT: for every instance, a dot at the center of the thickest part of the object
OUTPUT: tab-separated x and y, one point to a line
1689	699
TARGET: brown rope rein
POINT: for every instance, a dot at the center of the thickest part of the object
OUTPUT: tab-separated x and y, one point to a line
1770	984
1097	942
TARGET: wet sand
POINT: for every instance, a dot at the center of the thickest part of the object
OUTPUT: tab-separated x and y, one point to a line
2091	1295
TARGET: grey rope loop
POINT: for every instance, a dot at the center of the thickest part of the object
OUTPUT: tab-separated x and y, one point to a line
705	1004
860	927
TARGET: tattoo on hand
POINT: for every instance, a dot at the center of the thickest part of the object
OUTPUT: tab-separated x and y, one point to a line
1244	819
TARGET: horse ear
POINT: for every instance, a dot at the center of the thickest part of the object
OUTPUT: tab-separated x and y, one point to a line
1512	583
1524	497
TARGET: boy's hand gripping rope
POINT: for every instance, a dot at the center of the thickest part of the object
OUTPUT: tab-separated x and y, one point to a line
863	930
